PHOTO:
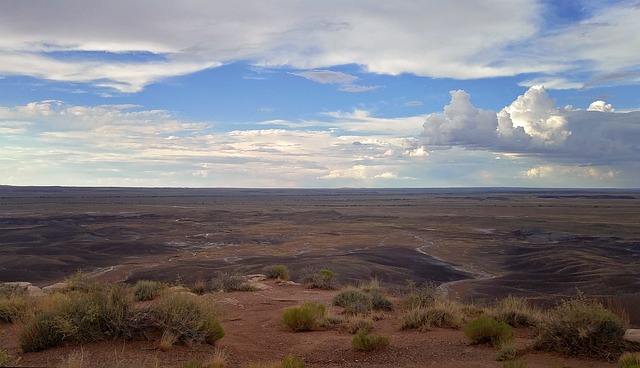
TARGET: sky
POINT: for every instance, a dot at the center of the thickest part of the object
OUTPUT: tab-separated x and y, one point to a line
320	94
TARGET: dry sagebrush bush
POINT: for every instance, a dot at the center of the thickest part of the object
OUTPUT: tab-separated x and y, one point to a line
188	318
280	272
517	312
439	313
79	316
582	327
13	307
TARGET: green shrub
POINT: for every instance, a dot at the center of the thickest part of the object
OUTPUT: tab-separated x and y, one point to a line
280	272
362	341
581	327
148	290
353	301
322	279
629	360
485	330
188	318
7	360
292	361
12	307
380	302
517	312
305	317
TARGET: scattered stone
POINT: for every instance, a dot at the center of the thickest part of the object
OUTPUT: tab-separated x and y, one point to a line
18	285
632	335
289	283
51	288
181	290
258	277
259	285
34	291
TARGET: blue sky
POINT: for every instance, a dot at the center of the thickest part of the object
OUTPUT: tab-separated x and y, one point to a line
296	93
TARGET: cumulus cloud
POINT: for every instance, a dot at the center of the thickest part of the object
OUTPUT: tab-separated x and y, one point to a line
533	125
600	106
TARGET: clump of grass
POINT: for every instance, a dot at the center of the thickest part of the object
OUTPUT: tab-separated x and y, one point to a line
356	323
148	290
40	333
81	281
629	360
194	363
75	359
380	302
305	317
219	359
13	307
506	352
353	301
363	299
322	279
228	283
486	330
363	341
280	272
7	360
199	287
517	312
167	340
439	313
582	327
188	318
419	296
292	361
514	365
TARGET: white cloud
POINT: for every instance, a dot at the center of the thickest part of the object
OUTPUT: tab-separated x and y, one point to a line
421	38
600	106
327	76
532	125
55	143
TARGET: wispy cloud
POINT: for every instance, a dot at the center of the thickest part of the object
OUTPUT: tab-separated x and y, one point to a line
452	39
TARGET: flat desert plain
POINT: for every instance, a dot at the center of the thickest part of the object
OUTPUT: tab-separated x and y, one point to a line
478	244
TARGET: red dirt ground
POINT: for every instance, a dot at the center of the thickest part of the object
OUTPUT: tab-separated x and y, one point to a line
254	333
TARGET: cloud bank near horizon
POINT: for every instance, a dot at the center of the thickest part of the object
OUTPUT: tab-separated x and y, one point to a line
531	142
125	46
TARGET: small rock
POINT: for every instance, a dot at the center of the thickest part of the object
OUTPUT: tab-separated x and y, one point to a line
632	335
51	288
34	291
256	277
17	285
